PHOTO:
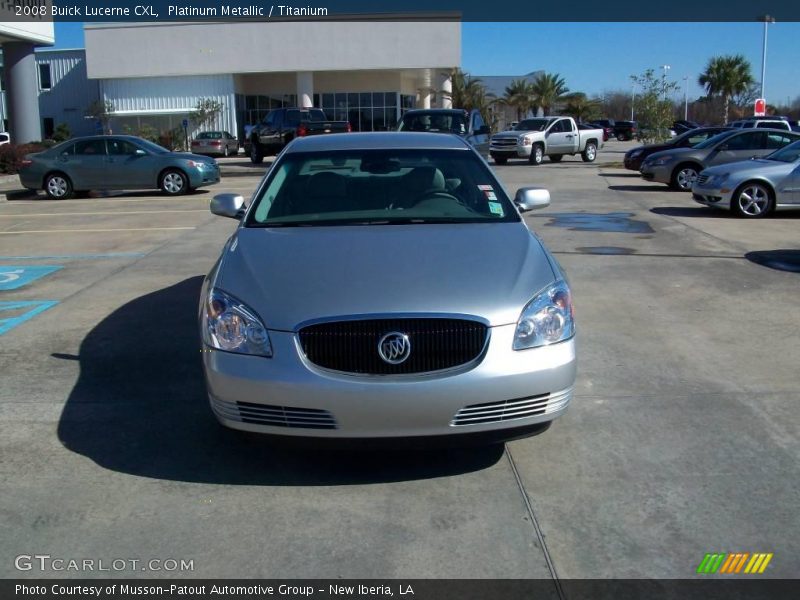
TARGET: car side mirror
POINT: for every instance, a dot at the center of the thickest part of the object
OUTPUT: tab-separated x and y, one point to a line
531	198
228	205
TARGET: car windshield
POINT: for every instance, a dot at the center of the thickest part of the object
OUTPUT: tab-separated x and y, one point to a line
151	147
533	124
380	187
436	122
712	141
210	135
787	154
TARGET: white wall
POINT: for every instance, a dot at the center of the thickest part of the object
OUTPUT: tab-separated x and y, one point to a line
161	49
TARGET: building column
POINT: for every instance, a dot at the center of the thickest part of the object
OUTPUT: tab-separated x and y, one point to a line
305	89
445	85
425	89
22	92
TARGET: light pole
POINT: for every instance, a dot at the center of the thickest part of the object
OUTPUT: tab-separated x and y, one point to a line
633	98
666	68
686	98
767	20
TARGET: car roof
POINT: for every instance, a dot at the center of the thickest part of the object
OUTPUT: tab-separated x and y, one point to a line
132	138
378	141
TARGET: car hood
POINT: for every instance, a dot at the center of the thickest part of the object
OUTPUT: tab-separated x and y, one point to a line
292	275
190	156
678	152
757	166
512	134
650	149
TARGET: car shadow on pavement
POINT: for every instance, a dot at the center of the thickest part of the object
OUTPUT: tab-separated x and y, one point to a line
140	407
639	188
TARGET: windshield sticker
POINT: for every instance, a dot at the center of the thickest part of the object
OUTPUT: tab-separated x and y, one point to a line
485	188
491	196
496	208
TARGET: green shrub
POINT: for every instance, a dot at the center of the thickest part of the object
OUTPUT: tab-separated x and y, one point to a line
61	133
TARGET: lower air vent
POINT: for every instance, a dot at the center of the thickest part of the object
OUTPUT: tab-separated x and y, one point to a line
275	416
508	410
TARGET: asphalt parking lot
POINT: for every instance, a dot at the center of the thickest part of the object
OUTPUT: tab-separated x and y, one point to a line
683	437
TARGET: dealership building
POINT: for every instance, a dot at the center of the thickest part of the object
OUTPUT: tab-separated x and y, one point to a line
367	72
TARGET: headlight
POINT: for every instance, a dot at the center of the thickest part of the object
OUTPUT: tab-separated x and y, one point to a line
663	160
547	319
230	325
527	140
717	179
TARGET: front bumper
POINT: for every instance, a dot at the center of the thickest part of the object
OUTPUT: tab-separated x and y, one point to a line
201	177
659	173
633	164
712	196
517	151
288	395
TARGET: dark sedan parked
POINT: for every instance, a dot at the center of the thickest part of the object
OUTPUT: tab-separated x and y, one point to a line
634	157
113	163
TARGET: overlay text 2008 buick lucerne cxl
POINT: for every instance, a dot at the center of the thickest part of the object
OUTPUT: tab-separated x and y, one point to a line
384	285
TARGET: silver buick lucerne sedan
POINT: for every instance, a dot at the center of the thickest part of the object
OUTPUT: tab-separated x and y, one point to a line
383	285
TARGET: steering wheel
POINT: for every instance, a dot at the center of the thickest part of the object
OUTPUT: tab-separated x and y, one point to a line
432	195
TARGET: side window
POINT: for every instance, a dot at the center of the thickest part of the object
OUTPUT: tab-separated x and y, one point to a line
776	140
561	126
477	122
269	120
121	148
91	148
68	150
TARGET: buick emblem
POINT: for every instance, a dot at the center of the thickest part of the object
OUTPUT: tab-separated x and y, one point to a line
394	348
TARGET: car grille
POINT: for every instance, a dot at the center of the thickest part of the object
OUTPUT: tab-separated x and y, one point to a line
352	346
504	142
508	410
275	416
701	179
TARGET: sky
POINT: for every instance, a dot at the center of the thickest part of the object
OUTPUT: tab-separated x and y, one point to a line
598	57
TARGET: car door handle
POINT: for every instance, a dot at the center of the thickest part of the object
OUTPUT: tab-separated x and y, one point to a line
569	135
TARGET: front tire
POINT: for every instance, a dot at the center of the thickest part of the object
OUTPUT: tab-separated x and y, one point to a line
537	155
58	186
556	157
226	152
256	153
589	152
752	201
683	177
174	183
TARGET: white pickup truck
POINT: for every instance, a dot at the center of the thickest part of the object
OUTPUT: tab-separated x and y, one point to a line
546	136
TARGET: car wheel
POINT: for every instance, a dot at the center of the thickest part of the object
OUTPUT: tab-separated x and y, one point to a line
537	155
620	137
556	157
500	160
174	183
752	201
590	152
58	186
226	152
683	177
256	153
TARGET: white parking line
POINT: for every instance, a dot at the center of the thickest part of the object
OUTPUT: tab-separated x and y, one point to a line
97	230
125	212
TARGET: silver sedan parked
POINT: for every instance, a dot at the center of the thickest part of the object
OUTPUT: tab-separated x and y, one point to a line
383	285
215	143
679	167
753	188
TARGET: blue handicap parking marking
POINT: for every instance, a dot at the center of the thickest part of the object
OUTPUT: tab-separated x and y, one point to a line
17	276
15	313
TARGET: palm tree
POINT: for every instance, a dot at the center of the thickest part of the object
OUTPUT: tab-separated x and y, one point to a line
467	92
547	89
580	107
519	96
726	76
